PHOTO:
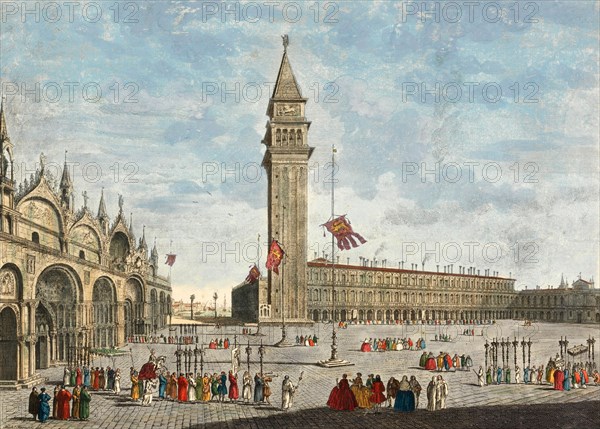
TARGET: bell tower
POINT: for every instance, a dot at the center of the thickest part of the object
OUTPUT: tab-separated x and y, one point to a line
286	164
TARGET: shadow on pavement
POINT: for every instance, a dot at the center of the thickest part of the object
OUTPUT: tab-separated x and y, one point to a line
547	416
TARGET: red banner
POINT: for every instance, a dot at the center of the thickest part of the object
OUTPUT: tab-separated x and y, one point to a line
274	257
253	275
170	259
343	232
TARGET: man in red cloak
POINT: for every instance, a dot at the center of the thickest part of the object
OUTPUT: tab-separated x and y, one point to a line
341	397
182	388
559	378
63	398
233	387
377	397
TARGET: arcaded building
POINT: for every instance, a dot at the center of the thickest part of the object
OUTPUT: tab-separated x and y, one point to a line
368	293
71	279
578	303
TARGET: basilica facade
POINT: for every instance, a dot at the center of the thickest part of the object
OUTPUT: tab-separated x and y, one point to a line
71	279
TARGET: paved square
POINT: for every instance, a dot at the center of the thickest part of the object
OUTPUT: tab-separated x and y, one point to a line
467	402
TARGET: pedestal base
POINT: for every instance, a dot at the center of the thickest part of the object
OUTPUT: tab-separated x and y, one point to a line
334	363
283	343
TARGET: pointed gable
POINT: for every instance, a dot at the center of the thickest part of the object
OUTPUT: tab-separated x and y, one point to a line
286	86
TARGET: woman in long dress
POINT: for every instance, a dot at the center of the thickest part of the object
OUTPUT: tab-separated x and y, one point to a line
267	389
172	387
361	392
405	398
341	397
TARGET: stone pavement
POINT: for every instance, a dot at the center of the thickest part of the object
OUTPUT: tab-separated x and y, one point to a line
504	406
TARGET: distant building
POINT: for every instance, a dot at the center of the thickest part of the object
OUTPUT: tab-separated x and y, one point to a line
579	303
367	293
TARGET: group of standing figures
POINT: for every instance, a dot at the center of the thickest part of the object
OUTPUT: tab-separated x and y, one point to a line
65	405
207	388
402	394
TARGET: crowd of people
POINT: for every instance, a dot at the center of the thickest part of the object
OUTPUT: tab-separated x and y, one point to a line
444	361
421	322
65	405
93	378
308	341
391	344
558	373
219	387
403	395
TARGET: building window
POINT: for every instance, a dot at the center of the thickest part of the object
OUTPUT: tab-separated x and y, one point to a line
81	254
35	237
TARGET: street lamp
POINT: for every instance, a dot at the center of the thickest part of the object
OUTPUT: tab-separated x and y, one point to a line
261	353
486	345
515	343
196	359
248	353
529	352
523	343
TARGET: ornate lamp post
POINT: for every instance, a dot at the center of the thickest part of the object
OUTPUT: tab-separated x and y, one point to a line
561	343
201	353
523	343
248	353
566	343
196	351
529	352
502	345
493	350
261	353
515	343
486	345
178	358
593	353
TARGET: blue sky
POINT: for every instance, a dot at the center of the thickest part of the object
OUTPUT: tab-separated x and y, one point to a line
509	163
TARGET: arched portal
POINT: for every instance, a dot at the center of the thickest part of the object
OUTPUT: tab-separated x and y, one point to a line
134	293
316	315
58	290
44	326
343	315
104	301
8	344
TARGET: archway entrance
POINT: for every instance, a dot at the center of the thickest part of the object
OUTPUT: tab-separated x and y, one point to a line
43	327
135	295
104	304
8	345
57	290
343	315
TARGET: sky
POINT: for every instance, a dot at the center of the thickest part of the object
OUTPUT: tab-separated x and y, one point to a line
466	134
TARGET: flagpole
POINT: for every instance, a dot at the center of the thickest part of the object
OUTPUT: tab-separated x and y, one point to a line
170	252
283	342
333	361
